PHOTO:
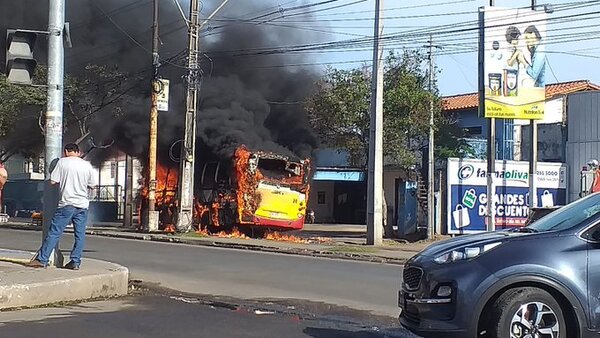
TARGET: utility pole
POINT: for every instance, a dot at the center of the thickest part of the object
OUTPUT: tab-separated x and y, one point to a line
152	217
534	150
375	181
53	129
186	178
491	146
128	218
185	209
431	161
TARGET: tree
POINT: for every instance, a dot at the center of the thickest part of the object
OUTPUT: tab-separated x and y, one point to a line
339	112
20	107
97	90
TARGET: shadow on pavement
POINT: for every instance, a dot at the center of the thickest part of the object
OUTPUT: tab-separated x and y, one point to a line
318	332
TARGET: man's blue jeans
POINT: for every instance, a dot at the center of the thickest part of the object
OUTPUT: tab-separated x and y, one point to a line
62	217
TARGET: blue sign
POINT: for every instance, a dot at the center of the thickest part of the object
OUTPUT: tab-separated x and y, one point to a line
468	200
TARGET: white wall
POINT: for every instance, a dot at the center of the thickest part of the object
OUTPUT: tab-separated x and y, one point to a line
553	113
323	212
113	172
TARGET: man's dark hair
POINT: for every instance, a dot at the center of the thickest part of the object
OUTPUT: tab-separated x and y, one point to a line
534	30
512	33
72	147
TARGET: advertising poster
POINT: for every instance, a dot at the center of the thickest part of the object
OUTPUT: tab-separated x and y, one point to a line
467	193
163	95
514	62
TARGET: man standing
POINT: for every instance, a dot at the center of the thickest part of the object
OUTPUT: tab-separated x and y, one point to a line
536	66
74	176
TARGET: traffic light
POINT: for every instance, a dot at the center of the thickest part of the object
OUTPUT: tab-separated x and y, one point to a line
20	63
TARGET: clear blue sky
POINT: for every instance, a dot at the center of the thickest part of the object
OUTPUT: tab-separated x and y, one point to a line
573	28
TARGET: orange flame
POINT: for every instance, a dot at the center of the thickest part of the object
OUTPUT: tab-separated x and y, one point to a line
166	190
276	236
234	233
244	195
247	182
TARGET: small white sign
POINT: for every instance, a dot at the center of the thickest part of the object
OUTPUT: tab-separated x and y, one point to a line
547	199
461	217
163	95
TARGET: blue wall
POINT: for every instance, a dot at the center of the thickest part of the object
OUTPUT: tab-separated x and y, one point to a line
469	118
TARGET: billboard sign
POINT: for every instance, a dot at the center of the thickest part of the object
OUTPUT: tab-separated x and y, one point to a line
514	62
163	95
467	193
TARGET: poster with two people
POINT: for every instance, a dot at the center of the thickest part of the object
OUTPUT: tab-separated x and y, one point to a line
514	62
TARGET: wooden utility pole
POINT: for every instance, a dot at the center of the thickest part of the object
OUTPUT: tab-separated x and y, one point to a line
152	217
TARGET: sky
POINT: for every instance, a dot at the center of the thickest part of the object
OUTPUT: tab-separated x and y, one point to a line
573	37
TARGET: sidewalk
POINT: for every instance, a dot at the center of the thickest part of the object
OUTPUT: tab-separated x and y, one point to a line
318	240
22	286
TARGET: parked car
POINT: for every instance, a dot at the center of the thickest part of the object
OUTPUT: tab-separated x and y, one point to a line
537	213
542	280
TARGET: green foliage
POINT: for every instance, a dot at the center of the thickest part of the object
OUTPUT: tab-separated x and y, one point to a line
14	98
95	91
339	112
20	107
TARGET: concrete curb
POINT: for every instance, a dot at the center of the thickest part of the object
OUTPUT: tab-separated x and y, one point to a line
253	247
28	287
323	253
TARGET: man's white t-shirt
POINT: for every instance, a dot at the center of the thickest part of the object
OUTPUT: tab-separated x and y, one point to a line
74	176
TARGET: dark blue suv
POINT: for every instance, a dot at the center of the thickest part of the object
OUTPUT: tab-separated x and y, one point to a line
539	281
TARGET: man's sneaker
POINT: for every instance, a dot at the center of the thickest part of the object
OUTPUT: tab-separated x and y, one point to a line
71	266
35	264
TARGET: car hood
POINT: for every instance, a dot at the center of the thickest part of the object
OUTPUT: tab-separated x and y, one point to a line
461	241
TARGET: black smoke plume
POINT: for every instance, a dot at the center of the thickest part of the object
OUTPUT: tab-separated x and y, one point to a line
251	99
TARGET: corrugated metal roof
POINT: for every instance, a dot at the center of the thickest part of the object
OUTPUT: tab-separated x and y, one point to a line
471	100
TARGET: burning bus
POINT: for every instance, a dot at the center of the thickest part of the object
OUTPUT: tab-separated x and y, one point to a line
257	190
254	191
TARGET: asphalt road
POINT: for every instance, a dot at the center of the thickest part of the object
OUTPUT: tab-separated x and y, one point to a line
239	273
162	315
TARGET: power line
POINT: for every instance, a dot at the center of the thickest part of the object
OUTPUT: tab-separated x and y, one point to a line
386	38
121	29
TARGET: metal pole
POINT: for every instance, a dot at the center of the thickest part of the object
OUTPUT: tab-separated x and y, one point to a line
185	208
152	218
491	141
533	199
54	114
186	179
431	162
128	217
375	181
117	193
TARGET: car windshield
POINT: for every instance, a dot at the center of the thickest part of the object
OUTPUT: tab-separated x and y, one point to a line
569	216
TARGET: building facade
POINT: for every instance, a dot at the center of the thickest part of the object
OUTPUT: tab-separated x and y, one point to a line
513	136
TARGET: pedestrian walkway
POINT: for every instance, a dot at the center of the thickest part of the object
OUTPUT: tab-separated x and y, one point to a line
22	286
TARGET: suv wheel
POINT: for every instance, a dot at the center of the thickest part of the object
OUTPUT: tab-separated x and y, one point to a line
527	313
